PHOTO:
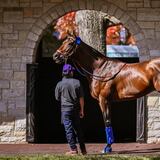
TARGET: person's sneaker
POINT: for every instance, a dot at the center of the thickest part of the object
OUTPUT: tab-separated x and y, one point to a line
72	153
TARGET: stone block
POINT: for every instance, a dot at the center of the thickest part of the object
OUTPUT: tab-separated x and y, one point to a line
153	101
155	4
27	59
144	58
9	3
28	12
89	4
36	3
23	67
13	93
27	52
29	44
105	8
147	3
37	12
20	124
22	27
157	26
112	9
12	139
60	10
121	4
3	107
148	14
6	28
135	4
37	30
13	17
5	130
133	27
29	20
157	35
32	36
149	33
54	15
11	36
6	74
118	13
16	60
0	41
74	5
16	66
20	76
24	1
18	113
11	104
17	84
1	17
67	6
24	4
6	63
155	53
153	44
124	18
47	18
148	25
139	37
82	4
20	104
4	84
19	52
42	24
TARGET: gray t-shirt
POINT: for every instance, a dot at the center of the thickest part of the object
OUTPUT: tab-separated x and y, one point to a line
68	91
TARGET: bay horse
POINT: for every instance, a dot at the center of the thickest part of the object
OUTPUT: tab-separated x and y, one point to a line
110	79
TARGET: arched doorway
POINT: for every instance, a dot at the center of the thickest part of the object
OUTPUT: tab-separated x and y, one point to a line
51	13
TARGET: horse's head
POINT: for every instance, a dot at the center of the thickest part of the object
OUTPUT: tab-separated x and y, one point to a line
67	49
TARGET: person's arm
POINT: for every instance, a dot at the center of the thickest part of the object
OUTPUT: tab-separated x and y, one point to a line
81	101
57	93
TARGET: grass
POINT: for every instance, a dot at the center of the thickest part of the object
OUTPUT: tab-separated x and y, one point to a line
88	157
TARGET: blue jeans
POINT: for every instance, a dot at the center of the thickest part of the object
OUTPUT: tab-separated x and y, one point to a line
71	121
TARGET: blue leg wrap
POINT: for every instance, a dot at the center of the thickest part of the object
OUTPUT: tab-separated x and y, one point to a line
110	140
109	135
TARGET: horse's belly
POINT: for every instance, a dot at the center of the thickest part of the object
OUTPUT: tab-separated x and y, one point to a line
133	91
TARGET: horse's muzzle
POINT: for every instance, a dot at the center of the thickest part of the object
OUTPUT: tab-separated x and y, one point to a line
57	57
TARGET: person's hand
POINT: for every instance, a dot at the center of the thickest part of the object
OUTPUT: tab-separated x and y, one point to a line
81	113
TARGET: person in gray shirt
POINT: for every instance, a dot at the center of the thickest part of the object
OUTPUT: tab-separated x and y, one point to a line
70	93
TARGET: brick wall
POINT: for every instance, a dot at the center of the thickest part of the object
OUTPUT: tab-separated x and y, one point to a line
22	22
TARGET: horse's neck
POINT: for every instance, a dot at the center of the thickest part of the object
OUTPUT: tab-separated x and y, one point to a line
88	57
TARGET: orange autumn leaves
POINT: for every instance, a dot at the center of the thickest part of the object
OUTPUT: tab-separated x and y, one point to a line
66	25
113	36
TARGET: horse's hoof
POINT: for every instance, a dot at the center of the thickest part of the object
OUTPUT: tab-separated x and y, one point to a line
107	149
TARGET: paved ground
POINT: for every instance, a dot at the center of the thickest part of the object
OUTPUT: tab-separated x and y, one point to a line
118	148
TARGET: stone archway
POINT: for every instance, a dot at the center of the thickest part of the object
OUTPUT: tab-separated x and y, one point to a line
55	12
38	28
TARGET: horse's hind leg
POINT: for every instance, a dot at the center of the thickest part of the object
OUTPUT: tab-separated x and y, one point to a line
156	82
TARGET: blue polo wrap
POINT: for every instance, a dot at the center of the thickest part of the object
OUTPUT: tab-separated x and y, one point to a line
109	135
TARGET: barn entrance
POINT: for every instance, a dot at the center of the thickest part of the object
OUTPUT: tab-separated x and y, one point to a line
46	119
47	125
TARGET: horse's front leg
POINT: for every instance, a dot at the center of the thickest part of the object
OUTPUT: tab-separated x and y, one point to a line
105	107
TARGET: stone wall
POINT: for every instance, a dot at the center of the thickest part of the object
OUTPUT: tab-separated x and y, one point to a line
22	23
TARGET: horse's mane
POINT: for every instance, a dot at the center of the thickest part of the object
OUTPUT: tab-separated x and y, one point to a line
95	53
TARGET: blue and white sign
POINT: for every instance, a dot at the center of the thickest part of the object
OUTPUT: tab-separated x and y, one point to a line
122	51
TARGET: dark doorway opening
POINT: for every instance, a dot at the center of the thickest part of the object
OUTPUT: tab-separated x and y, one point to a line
48	118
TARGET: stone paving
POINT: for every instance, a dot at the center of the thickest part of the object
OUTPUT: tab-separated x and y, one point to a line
118	148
